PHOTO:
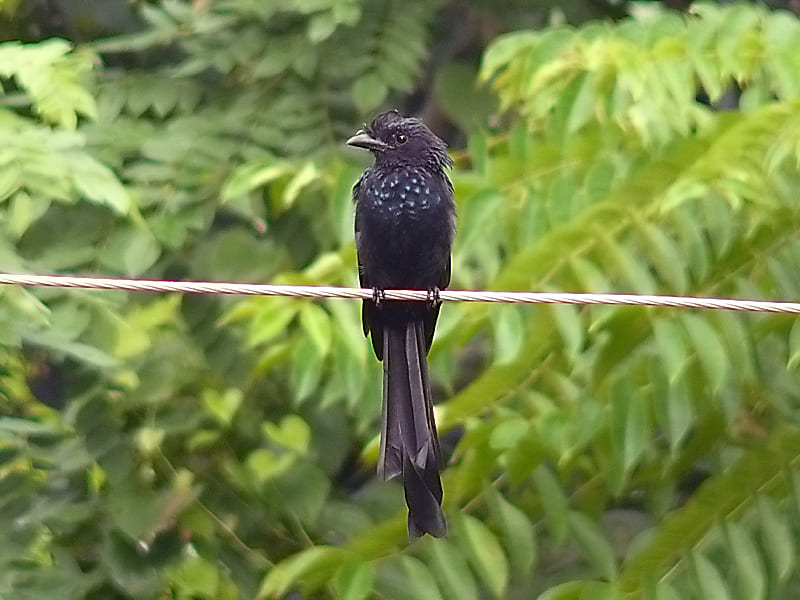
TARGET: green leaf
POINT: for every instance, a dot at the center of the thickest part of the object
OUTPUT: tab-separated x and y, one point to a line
479	208
571	590
569	324
582	101
317	324
776	538
195	576
504	48
346	324
666	256
630	421
265	465
306	369
78	350
529	453
781	40
98	183
26	305
450	568
293	433
353	579
164	99
309	489
679	413
760	468
459	98
518	533
508	332
709	349
794	346
54	77
253	175
554	502
28	427
593	545
270	320
289	571
738	21
419	580
368	92
130	250
484	554
223	406
10	178
671	347
633	271
304	177
694	244
149	439
706	578
750	577
127	568
320	27
597	590
660	590
275	61
590	276
23	211
508	433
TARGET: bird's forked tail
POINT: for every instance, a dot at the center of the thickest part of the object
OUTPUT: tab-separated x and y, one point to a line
409	444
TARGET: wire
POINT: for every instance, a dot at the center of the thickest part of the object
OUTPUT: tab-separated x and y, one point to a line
312	291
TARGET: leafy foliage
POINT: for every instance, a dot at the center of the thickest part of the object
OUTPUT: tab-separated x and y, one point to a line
198	447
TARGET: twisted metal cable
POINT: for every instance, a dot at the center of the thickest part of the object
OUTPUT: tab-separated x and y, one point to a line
311	291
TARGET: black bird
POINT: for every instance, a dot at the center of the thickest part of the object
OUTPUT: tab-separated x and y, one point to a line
405	223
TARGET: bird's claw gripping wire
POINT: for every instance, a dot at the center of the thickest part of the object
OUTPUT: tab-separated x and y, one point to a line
433	298
378	296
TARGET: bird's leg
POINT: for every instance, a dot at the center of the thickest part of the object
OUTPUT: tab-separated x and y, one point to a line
433	299
378	296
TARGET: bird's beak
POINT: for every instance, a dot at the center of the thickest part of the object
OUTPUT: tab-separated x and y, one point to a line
362	139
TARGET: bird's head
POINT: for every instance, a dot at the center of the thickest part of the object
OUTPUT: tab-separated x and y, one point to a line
397	140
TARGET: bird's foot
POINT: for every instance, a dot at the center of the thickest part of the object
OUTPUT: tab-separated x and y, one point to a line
378	296
433	298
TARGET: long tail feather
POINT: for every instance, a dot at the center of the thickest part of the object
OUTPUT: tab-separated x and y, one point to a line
409	444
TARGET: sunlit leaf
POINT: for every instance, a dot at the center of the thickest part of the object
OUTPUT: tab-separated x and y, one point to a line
707	579
776	538
353	580
709	350
292	433
317	324
554	502
223	406
253	175
304	177
284	575
593	544
518	534
450	568
420	579
750	577
631	421
484	554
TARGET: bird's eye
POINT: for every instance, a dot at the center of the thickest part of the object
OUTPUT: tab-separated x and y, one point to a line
400	138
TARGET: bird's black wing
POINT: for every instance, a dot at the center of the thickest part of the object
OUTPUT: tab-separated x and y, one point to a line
444	281
370	319
433	313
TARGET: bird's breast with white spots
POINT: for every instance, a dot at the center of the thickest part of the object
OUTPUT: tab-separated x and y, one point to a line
402	194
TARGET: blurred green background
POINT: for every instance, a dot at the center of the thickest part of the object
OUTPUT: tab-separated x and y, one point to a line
167	446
